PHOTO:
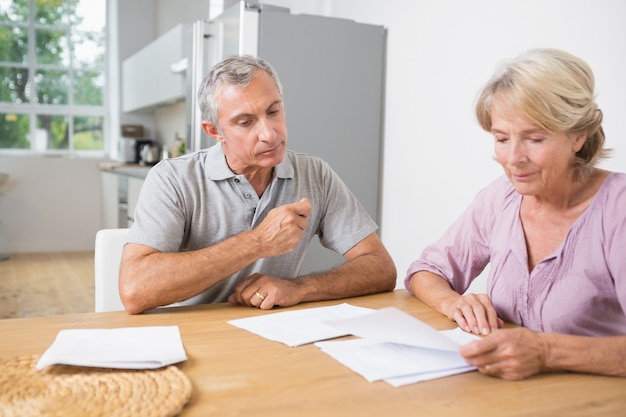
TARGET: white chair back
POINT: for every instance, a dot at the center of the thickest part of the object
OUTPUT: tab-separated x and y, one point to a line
108	257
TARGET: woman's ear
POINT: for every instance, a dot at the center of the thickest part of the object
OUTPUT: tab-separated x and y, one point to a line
578	142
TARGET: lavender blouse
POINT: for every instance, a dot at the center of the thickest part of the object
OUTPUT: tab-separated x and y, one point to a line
579	289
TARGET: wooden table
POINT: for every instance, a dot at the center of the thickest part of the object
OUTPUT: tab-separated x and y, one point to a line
237	373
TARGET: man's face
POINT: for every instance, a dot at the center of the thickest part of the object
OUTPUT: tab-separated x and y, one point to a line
254	128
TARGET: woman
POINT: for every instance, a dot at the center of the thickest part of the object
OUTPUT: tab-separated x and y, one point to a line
553	230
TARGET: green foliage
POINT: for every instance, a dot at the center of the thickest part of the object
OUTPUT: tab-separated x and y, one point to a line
57	12
88	133
14	131
58	43
88	88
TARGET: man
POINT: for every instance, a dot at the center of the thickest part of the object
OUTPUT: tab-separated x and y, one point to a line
232	222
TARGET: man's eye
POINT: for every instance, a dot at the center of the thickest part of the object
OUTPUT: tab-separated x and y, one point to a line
244	123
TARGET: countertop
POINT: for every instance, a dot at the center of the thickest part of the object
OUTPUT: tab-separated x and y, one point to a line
123	168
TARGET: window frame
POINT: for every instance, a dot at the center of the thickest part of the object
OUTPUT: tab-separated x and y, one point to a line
33	109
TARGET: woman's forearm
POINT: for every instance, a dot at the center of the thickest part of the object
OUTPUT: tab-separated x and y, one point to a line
596	355
433	290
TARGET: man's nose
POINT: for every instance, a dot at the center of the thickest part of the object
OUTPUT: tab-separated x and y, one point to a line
266	133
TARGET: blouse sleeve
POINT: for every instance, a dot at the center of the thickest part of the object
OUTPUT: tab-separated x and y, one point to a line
615	234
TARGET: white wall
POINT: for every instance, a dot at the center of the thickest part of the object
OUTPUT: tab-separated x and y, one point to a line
439	53
49	204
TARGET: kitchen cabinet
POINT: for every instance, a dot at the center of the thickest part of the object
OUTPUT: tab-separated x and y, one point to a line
121	185
155	75
109	196
134	187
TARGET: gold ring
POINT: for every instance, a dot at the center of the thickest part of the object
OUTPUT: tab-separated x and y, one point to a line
488	369
259	295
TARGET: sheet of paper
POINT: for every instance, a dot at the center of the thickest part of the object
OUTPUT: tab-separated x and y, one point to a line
375	360
299	327
398	348
393	325
125	348
459	336
426	376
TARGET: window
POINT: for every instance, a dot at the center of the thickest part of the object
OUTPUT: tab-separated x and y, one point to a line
52	75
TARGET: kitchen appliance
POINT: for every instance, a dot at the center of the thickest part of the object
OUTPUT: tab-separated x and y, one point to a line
150	154
132	131
129	149
332	71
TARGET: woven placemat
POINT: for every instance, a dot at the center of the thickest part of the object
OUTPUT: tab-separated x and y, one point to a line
69	391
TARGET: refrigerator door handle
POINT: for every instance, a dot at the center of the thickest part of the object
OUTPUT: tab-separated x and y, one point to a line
179	67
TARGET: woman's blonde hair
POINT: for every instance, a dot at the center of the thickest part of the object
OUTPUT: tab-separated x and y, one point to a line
555	90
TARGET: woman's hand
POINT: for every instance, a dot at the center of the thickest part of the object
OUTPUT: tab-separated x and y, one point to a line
474	313
508	353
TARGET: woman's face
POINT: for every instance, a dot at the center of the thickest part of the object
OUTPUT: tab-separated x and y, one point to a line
538	163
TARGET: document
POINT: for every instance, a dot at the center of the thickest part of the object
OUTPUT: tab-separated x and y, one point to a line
299	327
392	346
124	348
397	348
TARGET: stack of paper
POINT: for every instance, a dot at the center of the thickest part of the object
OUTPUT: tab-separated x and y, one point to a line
398	348
393	346
123	348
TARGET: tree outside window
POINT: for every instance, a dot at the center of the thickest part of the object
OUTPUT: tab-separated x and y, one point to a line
52	83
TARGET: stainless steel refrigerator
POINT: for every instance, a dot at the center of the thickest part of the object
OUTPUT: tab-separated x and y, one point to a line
332	71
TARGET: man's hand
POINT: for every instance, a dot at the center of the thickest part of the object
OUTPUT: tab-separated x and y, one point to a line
266	292
280	232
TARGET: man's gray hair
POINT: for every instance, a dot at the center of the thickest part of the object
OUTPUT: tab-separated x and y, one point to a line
236	71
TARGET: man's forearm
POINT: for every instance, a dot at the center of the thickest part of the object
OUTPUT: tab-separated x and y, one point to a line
150	279
365	274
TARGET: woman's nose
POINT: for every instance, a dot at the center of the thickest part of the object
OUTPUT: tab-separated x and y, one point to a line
517	152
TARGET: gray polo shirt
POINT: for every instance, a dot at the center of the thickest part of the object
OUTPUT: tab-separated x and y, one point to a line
195	201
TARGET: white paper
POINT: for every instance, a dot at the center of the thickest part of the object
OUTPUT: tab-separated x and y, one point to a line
299	327
124	348
426	376
398	348
376	360
393	325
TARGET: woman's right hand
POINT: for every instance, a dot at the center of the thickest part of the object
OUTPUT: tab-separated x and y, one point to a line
474	313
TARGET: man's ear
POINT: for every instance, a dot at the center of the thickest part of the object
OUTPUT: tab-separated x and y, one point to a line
212	130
